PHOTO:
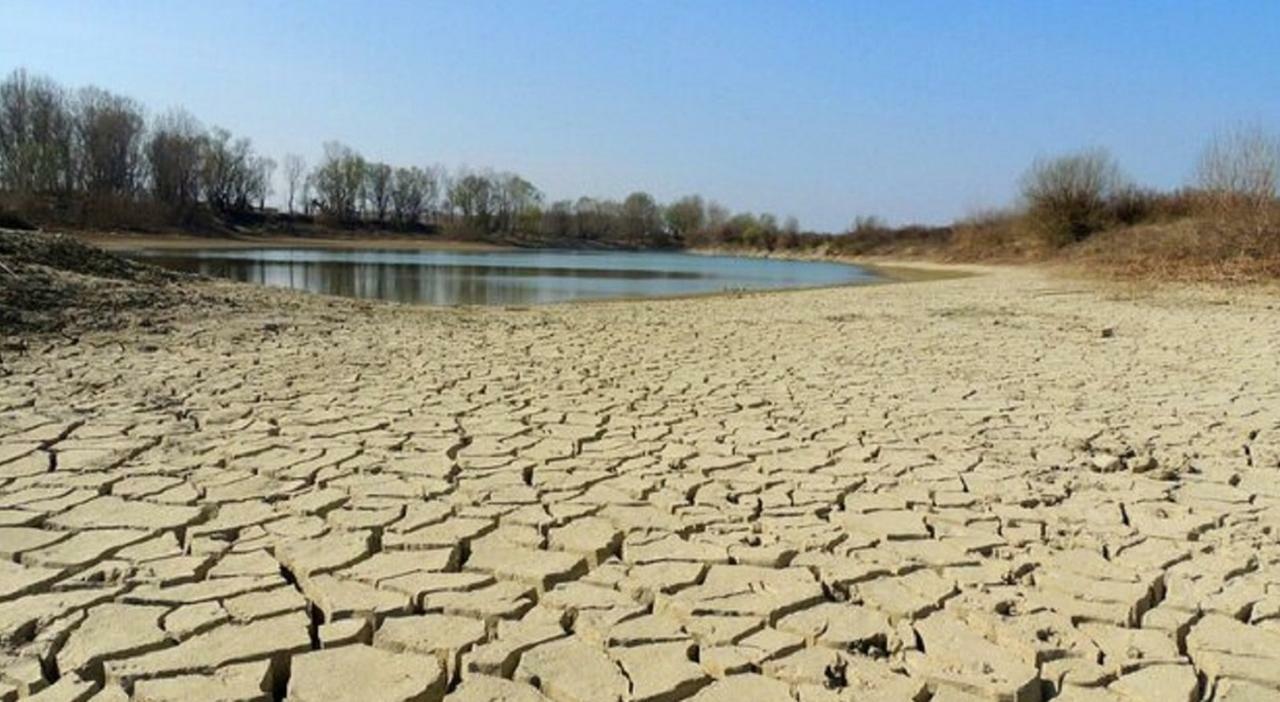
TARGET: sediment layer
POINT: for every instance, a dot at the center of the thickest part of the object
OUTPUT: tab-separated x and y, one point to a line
1003	487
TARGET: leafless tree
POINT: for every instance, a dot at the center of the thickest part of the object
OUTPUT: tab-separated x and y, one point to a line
686	216
339	180
308	185
37	136
264	169
378	182
1241	165
717	215
110	141
641	219
1067	196
295	172
557	220
517	203
408	195
435	186
173	154
232	174
472	195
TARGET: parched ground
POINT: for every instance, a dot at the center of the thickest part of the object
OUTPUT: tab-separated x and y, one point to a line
1005	487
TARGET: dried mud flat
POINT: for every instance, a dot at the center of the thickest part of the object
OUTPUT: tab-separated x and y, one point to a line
1005	487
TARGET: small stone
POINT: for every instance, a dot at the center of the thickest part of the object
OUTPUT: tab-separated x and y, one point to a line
1106	463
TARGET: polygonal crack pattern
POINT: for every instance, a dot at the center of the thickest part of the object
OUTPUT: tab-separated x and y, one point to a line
962	491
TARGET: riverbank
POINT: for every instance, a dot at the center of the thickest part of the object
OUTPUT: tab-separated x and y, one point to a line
1002	485
124	241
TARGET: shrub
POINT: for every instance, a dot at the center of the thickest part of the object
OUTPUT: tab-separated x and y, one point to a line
1238	175
1067	197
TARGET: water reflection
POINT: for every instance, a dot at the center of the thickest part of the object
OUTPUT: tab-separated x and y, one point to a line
501	278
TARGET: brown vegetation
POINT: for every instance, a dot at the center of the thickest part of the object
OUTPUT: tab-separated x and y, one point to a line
1079	210
53	282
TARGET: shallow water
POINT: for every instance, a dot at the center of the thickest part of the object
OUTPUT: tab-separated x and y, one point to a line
503	277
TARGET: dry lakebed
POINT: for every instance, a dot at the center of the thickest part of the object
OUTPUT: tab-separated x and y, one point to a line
1009	486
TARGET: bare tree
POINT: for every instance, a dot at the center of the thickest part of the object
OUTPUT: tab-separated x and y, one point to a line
517	203
339	181
173	154
37	136
1241	165
110	139
472	195
641	219
408	195
435	186
1067	196
308	185
264	169
686	216
295	172
717	215
378	188
557	220
231	173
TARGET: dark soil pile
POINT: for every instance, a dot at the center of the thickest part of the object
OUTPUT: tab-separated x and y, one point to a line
53	282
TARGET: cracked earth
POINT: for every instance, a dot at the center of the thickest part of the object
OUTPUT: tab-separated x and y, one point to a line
1004	487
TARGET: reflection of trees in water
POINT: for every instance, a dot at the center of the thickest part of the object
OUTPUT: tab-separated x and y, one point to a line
468	285
497	284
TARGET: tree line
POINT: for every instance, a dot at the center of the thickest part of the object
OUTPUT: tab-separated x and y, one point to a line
91	157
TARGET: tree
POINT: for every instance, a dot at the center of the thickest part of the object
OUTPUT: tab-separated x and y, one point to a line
597	219
308	185
641	219
717	215
377	185
557	220
409	195
295	172
338	181
790	237
1067	196
231	174
473	196
516	202
37	136
435	182
173	154
264	168
686	217
1242	165
110	129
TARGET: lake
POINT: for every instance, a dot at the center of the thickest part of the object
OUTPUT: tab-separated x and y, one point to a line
502	277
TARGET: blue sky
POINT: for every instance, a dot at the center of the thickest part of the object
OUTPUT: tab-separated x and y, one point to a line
913	111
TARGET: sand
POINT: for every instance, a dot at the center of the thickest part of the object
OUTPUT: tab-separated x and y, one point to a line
1008	486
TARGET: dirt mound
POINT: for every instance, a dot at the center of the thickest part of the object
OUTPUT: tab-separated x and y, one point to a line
52	282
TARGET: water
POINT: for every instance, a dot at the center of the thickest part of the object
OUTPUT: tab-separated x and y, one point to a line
502	278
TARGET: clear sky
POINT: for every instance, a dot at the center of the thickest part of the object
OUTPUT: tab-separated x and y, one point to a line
913	111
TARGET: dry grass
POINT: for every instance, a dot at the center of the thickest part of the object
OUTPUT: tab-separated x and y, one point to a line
1177	237
1199	249
995	237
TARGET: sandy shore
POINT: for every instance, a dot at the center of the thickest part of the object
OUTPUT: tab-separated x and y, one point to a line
997	487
